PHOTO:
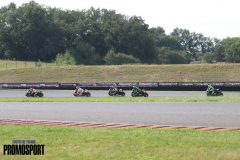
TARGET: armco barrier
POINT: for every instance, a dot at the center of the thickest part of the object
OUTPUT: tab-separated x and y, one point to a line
175	86
40	85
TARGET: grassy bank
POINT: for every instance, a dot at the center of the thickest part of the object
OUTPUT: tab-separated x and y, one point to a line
125	99
102	144
124	73
8	64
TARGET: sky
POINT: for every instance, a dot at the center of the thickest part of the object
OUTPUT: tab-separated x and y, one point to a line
213	18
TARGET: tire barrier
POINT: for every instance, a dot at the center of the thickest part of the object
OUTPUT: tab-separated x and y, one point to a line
164	86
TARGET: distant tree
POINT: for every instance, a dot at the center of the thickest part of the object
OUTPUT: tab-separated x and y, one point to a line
113	30
33	32
136	40
163	40
194	43
28	33
168	56
219	55
169	42
84	53
7	17
207	57
187	56
232	49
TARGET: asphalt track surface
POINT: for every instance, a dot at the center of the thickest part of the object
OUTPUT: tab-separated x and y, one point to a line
68	93
208	114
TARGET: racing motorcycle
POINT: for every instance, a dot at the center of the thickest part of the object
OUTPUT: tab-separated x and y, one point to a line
117	92
85	93
139	93
217	93
34	94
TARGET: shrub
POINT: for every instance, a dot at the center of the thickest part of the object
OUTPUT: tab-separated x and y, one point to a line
120	58
84	53
208	57
168	56
65	59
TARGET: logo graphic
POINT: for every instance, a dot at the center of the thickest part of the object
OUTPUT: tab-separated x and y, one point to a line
23	147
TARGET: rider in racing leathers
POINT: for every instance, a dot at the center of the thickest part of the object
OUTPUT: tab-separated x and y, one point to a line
211	89
114	88
32	91
78	90
136	89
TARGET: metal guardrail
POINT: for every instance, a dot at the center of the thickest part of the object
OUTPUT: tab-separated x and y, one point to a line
181	86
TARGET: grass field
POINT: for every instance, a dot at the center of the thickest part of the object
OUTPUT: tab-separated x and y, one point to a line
125	99
8	64
141	144
120	73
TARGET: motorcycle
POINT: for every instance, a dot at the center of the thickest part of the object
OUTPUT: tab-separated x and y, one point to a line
217	93
85	93
118	92
34	94
139	93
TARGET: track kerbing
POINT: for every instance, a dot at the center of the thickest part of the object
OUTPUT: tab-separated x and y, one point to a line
106	125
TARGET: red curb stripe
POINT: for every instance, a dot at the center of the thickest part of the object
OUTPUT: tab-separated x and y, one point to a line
143	126
123	126
158	126
107	125
76	124
173	127
93	125
130	126
197	128
229	129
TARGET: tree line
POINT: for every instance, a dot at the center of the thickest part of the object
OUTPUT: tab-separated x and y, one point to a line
98	36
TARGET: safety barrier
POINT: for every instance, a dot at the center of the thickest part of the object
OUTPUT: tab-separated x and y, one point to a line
175	86
39	85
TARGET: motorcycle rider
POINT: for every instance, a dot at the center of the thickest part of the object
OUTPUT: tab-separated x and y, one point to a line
78	90
211	89
114	87
136	89
32	91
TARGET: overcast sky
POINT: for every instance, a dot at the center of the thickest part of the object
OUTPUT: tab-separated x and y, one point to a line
214	18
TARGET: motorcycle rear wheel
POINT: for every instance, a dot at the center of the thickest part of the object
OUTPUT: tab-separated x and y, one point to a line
88	94
122	94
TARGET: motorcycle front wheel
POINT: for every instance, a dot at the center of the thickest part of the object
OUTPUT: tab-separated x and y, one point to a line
133	94
88	94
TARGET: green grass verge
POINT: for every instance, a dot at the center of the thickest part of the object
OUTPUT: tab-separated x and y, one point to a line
124	73
118	144
8	64
125	99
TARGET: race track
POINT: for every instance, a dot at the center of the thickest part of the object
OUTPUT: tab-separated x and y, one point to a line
210	114
68	93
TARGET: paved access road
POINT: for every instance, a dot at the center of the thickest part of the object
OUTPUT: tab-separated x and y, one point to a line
209	114
69	93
